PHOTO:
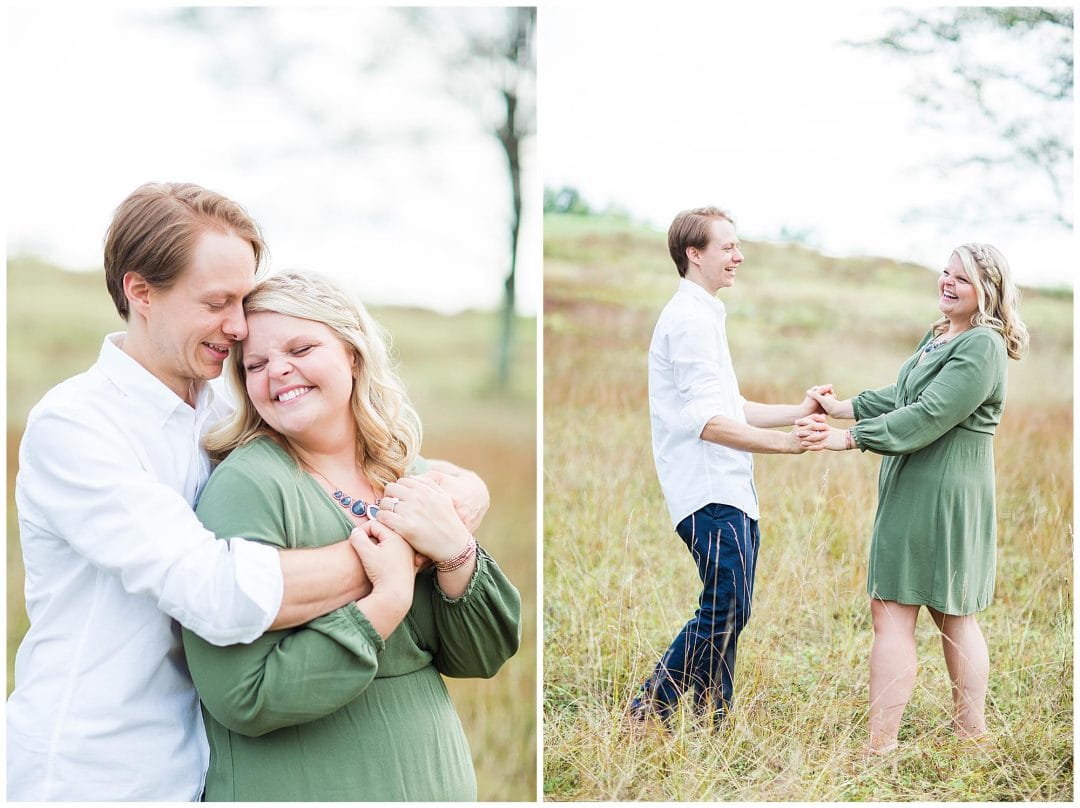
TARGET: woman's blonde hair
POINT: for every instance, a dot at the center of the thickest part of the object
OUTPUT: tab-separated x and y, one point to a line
388	430
997	294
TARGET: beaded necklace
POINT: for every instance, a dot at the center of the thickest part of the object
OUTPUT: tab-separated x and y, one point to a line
358	506
935	344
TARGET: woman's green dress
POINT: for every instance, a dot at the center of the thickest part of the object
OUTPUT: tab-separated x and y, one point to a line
935	532
329	711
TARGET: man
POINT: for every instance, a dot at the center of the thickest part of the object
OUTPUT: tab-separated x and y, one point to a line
703	434
110	466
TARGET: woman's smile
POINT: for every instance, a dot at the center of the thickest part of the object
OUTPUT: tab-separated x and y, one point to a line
292	393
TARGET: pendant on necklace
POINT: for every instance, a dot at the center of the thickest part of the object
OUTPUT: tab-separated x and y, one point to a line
357	506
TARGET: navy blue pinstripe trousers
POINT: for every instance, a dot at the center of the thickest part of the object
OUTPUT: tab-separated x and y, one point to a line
723	541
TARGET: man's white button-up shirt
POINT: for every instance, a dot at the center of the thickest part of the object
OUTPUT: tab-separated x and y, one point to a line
110	467
691	380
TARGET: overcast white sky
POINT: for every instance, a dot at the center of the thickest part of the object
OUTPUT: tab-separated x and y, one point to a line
755	107
758	109
99	101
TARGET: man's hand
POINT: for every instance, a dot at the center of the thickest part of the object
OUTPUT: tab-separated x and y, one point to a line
466	489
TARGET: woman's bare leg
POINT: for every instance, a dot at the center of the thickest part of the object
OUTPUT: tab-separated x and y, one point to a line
968	661
893	664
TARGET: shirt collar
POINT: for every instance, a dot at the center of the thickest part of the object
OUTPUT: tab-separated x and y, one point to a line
698	293
135	381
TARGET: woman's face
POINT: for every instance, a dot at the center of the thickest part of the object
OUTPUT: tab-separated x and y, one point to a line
299	377
957	298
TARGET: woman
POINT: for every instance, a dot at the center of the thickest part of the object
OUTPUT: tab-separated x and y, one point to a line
934	532
350	706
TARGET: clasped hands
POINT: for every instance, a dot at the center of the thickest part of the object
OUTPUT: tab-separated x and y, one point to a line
812	430
422	522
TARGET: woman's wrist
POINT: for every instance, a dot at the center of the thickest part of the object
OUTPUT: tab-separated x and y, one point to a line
458	559
385	608
455	582
849	439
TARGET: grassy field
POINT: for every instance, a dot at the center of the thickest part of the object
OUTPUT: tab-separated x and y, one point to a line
618	583
56	321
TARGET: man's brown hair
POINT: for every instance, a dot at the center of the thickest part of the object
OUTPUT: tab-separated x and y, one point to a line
154	231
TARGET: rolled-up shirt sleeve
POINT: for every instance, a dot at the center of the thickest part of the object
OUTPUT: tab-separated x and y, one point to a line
697	364
91	489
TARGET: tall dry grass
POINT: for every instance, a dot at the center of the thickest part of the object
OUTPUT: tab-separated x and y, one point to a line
618	583
56	321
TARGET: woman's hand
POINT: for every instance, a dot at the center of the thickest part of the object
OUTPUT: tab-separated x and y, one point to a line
810	432
424	514
467	490
391	565
826	399
810	404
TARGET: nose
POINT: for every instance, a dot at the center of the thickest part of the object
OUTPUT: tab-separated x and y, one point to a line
738	256
279	366
235	325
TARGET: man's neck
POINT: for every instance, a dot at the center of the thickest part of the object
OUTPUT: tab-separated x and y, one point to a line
696	278
186	389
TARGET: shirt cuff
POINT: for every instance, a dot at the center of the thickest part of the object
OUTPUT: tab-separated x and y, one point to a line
696	414
859	441
856	408
258	575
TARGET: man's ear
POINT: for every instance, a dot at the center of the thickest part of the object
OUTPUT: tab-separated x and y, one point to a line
137	290
693	256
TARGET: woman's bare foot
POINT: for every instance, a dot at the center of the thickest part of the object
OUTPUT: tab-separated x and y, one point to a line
876	751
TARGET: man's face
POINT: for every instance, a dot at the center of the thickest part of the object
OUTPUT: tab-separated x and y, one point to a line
192	324
715	266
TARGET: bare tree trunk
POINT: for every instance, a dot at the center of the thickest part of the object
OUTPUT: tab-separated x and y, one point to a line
511	144
518	52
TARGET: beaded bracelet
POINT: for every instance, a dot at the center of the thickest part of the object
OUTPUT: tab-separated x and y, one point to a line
849	439
460	560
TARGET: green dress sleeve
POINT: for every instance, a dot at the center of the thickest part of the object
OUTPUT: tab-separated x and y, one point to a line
961	384
870	403
478	631
285	677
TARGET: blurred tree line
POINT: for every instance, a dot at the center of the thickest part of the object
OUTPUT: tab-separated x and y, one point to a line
565	200
568	199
